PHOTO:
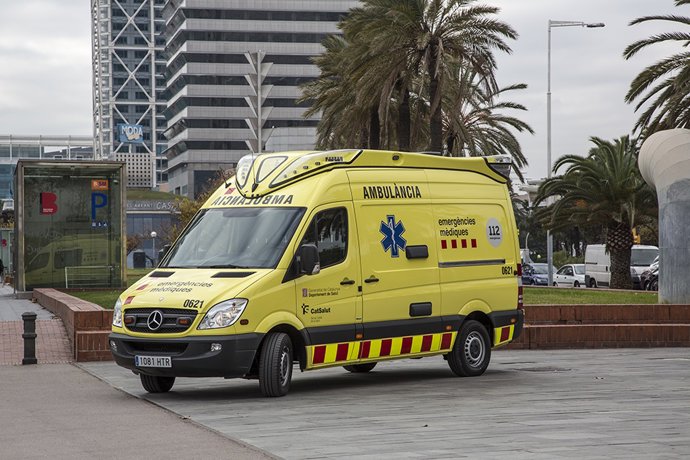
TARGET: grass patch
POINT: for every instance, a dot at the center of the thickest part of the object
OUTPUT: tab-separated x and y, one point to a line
106	297
566	296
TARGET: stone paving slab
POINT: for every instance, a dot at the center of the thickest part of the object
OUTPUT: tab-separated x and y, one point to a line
530	404
60	412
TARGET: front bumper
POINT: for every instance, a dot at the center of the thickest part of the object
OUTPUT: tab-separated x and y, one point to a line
190	356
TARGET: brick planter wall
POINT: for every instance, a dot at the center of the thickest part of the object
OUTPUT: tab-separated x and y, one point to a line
605	326
87	324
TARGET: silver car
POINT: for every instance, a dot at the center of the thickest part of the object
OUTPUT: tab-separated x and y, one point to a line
571	275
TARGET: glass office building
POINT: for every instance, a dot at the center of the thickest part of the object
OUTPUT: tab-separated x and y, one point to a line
128	82
209	95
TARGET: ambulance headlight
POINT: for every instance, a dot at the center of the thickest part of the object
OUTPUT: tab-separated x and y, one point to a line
117	314
223	314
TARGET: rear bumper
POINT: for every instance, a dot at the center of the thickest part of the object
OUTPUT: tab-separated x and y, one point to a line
190	356
515	318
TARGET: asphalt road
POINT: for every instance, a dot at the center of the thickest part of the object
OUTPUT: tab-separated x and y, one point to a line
627	404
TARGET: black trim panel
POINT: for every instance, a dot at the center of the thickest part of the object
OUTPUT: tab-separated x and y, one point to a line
417	252
383	329
504	318
158	274
420	309
331	334
471	263
232	274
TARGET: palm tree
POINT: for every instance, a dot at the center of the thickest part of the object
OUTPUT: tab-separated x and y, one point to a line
475	122
603	188
423	37
343	121
664	87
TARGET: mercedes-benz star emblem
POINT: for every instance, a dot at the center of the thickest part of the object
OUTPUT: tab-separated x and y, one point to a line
155	320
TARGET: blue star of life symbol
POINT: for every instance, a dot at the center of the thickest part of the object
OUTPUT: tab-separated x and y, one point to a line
392	236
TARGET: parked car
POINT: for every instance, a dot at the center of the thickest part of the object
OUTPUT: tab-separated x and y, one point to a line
652	273
654	280
536	274
571	275
598	264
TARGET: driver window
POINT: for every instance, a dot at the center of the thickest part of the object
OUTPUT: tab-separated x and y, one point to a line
328	231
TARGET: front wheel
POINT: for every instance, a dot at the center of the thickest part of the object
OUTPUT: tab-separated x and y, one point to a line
576	284
471	353
156	384
359	368
275	365
555	284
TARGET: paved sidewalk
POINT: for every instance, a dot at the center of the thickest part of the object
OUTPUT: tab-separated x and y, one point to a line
574	404
52	343
61	412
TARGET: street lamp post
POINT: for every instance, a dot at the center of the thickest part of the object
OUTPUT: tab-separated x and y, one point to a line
549	237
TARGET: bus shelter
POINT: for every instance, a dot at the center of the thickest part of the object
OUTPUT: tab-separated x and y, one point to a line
69	224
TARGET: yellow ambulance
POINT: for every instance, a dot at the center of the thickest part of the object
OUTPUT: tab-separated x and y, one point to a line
339	258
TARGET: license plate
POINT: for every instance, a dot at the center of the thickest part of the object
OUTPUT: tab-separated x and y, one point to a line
152	361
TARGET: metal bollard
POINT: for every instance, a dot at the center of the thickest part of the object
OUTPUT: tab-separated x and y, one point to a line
29	337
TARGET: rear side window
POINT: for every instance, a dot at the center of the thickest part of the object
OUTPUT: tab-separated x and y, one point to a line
328	231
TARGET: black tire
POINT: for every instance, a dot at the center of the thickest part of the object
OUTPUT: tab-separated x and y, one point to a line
360	368
654	285
576	284
592	283
471	353
275	365
156	384
555	284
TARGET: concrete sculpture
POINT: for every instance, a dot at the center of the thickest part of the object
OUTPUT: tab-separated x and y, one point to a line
665	164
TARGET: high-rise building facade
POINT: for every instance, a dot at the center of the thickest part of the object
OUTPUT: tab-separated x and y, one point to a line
128	82
212	76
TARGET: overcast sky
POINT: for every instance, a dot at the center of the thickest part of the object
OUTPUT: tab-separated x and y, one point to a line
45	68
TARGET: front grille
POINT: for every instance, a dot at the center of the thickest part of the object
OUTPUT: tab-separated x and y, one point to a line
170	323
157	347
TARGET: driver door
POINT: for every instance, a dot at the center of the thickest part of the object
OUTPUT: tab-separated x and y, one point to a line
328	302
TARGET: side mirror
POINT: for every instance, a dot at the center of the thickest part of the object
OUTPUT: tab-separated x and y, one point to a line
166	248
309	259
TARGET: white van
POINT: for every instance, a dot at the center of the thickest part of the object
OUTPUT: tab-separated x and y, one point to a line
598	264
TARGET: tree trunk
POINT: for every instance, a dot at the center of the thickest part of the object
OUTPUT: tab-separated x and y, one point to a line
404	121
619	244
450	142
374	129
435	119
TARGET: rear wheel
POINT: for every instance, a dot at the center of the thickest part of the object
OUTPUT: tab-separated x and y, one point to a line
275	365
471	353
592	283
360	368
156	384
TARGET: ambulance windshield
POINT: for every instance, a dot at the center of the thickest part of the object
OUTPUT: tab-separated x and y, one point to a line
235	238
